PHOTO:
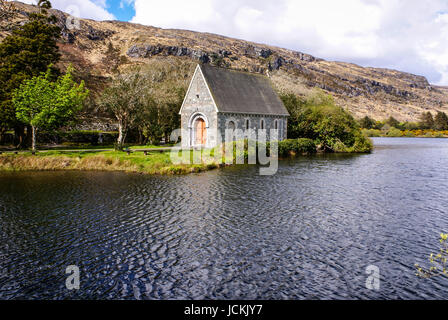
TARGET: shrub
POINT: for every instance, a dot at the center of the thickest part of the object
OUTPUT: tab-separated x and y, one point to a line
305	145
362	145
409	134
286	147
394	132
296	146
318	118
372	132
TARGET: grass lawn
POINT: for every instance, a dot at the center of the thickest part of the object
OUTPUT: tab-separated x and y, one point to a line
153	163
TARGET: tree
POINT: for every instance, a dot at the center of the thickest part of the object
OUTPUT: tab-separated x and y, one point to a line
124	100
394	123
24	54
441	121
367	123
148	98
166	82
44	104
426	120
160	119
320	119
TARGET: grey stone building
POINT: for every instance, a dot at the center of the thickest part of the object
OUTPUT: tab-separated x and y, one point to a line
222	100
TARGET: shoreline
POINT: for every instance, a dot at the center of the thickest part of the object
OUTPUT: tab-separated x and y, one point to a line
161	161
111	161
118	162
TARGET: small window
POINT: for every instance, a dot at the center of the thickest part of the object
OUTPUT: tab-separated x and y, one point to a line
276	125
197	96
262	124
247	124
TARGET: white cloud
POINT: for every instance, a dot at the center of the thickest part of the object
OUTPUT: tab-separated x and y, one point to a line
89	9
406	35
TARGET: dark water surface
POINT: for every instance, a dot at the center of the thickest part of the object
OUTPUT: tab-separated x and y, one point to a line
308	232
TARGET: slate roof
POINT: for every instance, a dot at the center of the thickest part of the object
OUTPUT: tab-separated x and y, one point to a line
242	92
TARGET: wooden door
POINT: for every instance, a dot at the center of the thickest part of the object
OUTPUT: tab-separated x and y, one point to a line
201	132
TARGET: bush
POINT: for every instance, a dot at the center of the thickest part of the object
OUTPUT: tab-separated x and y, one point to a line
305	145
296	146
318	118
362	145
371	132
409	134
394	133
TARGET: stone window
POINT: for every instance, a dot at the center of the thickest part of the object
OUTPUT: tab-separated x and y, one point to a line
262	124
247	124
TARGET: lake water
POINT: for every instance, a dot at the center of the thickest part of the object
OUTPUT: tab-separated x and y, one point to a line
308	232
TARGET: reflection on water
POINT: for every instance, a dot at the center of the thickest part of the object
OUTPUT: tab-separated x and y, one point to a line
308	232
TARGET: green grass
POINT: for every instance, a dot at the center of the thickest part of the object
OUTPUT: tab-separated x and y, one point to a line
153	163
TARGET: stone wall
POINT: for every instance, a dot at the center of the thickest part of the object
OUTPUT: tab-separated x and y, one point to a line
198	102
255	121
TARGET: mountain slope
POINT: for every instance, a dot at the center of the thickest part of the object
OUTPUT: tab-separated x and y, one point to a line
98	49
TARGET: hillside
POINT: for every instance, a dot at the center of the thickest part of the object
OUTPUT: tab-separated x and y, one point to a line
98	49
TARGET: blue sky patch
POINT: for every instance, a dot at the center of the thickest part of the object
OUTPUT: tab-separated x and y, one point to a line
123	10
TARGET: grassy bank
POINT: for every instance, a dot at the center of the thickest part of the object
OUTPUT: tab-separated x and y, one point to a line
153	163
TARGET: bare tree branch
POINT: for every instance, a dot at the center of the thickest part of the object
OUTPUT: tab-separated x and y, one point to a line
7	10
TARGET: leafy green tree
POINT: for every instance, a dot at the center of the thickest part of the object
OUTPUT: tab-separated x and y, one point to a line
330	126
411	126
43	104
150	124
441	121
426	120
159	120
394	123
379	125
367	123
24	54
170	113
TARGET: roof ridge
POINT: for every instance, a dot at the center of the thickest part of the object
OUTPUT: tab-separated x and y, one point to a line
234	70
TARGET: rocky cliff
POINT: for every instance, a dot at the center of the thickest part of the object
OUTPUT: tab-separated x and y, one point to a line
98	49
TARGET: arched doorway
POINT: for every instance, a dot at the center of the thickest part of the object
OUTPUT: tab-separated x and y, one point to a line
200	132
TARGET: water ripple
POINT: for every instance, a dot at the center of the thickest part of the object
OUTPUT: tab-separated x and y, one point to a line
308	232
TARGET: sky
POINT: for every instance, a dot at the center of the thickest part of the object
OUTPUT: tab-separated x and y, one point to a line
407	35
